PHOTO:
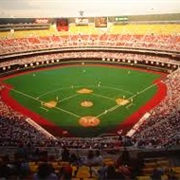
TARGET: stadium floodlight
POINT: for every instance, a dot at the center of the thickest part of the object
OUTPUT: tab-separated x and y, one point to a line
81	13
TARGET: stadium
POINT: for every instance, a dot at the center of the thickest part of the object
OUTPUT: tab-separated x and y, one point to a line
87	82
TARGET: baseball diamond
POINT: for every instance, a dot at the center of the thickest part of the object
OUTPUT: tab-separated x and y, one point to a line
71	98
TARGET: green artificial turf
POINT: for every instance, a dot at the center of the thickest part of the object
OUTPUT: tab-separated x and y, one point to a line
62	84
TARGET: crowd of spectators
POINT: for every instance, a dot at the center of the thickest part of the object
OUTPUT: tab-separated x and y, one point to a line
93	165
162	127
15	130
105	56
161	42
69	165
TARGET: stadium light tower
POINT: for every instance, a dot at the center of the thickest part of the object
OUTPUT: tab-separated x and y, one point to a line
81	13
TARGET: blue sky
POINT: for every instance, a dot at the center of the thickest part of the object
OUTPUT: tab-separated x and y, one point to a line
71	8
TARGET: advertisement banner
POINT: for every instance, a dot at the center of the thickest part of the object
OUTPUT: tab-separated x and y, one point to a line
81	21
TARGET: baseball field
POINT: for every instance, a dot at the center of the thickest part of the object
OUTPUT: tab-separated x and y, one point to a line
85	100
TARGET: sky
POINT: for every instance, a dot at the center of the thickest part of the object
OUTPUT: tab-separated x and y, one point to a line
90	8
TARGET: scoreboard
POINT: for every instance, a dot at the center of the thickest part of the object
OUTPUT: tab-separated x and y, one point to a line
62	24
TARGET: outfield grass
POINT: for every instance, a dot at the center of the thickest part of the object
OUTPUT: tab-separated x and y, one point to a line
62	85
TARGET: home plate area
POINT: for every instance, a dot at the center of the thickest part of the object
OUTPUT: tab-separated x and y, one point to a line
89	121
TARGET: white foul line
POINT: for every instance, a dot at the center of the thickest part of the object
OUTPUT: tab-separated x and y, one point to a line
31	97
44	108
117	106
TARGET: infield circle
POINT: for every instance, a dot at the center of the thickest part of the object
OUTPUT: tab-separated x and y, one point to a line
89	121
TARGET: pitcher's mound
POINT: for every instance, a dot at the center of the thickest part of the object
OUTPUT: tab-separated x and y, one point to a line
85	91
122	102
86	103
50	104
89	121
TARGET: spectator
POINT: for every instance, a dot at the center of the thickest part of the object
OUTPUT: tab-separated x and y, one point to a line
45	171
65	154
